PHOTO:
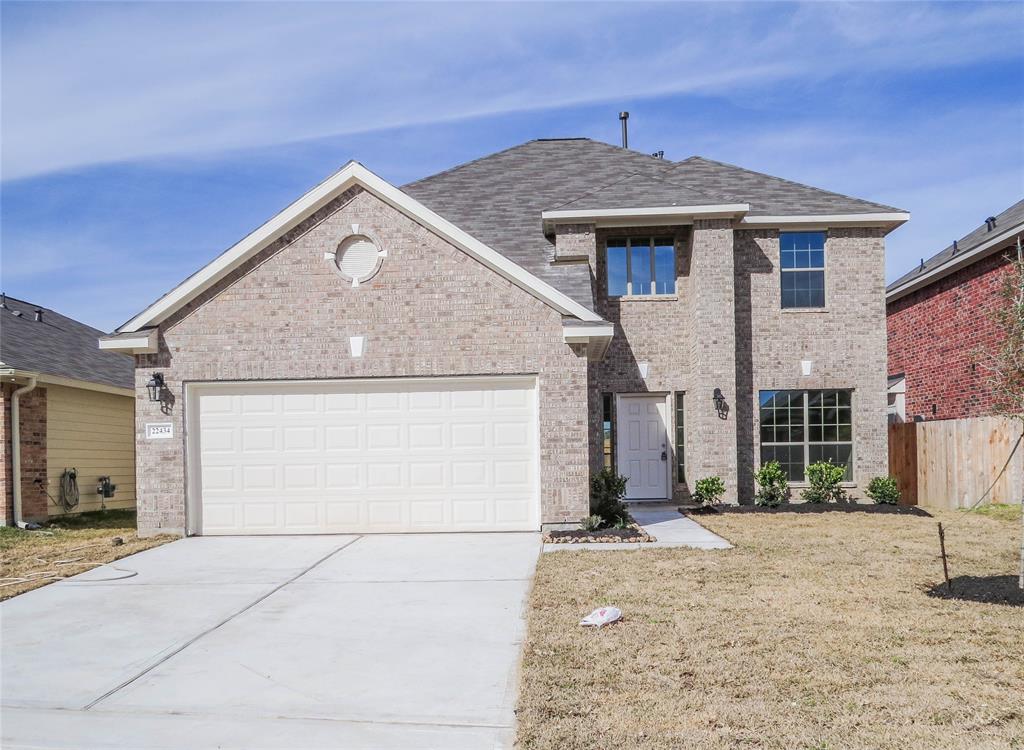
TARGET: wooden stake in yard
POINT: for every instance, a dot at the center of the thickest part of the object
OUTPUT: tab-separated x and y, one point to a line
945	562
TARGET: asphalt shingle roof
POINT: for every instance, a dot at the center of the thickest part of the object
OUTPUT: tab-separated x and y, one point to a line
767	195
499	198
641	191
1010	217
58	345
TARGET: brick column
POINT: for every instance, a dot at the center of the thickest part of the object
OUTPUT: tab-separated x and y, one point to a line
711	440
32	408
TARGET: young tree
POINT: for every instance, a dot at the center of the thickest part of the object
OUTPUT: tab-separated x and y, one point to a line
1006	363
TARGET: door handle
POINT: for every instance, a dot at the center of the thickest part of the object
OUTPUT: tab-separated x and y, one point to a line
664	456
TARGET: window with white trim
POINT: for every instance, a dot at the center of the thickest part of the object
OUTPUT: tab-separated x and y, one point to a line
802	267
641	266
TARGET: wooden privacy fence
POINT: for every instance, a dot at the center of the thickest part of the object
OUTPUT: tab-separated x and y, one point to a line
950	463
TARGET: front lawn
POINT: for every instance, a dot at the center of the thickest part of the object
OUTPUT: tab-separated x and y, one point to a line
817	631
65	547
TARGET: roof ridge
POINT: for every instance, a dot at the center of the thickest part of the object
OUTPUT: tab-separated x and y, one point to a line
783	179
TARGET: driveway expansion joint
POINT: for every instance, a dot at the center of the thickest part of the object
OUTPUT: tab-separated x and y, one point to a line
219	624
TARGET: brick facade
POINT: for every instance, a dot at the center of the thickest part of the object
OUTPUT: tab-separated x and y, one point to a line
724	328
432	310
32	408
937	336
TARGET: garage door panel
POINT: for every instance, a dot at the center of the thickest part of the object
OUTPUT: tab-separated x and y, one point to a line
371	456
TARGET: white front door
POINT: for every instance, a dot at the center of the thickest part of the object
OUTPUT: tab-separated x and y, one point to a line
642	446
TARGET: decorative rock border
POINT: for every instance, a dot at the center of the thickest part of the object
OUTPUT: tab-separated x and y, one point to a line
605	536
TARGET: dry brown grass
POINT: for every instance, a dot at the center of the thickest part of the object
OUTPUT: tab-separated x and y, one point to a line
30	559
817	631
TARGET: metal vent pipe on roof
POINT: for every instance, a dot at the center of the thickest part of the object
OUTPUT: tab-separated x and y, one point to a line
623	117
39	315
990	223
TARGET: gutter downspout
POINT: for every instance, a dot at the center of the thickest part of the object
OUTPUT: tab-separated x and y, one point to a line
16	449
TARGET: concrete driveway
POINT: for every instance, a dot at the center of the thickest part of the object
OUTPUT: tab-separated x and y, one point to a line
405	641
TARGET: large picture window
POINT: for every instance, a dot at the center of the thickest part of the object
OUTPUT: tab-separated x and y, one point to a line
802	261
641	266
799	428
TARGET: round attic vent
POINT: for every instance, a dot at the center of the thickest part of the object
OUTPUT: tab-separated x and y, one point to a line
358	258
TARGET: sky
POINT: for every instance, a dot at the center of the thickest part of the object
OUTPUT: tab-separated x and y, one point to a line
138	141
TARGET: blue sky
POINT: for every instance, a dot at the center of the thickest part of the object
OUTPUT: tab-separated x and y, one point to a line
141	140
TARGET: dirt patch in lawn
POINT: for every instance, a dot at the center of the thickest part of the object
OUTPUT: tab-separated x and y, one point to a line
868	508
819	630
67	547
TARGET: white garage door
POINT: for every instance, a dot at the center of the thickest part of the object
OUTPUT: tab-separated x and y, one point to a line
455	454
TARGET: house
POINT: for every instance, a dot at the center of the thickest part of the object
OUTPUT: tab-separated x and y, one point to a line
66	406
464	352
939	318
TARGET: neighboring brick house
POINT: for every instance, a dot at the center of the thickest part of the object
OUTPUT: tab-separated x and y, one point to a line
75	408
465	352
940	323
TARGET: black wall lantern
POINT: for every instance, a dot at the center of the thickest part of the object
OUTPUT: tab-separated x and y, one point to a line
156	387
720	406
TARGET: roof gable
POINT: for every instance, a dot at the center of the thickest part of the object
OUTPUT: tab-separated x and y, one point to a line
351	175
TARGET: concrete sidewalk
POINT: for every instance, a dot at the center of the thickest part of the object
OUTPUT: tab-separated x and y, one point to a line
667	525
384	641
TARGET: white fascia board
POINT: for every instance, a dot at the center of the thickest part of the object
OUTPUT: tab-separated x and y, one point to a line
895	218
953	263
351	174
581	334
144	343
601	215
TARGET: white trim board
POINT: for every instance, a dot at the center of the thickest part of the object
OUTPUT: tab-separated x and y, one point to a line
612	216
953	263
350	175
824	221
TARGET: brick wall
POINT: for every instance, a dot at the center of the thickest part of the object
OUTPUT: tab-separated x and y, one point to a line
432	310
845	341
937	336
32	408
725	328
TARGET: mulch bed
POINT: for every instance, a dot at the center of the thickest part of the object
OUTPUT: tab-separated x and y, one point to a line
608	536
903	510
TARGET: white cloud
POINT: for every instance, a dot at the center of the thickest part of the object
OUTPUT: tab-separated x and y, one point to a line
96	83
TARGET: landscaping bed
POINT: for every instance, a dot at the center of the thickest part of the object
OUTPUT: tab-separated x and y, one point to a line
608	536
819	630
67	546
871	508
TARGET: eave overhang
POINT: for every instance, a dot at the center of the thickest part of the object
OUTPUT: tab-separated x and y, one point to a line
646	216
954	263
135	342
597	337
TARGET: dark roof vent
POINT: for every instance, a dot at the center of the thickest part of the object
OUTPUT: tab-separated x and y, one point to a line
920	268
39	315
623	116
658	154
3	302
955	247
990	223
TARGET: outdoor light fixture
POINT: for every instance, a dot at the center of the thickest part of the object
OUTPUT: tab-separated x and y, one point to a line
156	387
720	406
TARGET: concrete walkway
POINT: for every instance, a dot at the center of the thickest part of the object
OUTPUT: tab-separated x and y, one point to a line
408	641
667	525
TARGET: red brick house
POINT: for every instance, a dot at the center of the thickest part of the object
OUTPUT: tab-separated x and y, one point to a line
939	320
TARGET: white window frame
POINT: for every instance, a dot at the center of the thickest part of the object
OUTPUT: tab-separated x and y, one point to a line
822	268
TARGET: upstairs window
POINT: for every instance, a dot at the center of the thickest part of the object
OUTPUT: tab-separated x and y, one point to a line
641	266
802	258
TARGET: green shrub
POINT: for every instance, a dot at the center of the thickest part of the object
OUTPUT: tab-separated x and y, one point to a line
591	523
773	488
709	490
606	492
824	478
884	491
